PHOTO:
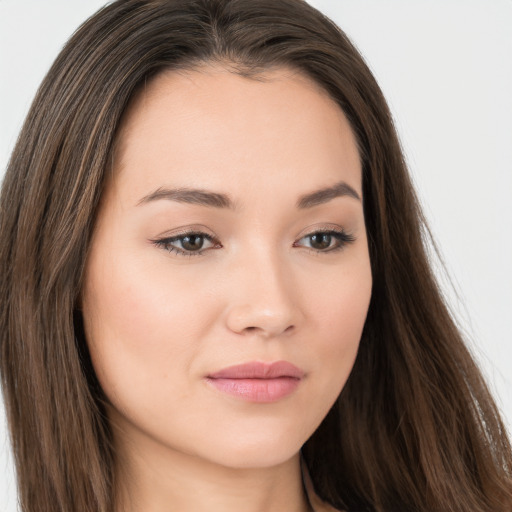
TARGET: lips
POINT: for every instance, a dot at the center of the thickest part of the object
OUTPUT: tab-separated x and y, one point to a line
257	370
258	381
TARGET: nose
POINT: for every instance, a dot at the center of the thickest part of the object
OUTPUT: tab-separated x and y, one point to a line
264	299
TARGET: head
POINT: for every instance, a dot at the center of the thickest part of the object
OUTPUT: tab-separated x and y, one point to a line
77	166
207	152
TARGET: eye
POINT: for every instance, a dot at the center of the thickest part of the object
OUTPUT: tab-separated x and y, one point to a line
187	244
325	241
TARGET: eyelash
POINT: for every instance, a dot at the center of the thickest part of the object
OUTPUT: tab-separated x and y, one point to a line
342	239
165	243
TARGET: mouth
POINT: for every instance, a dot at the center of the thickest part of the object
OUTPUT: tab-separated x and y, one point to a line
257	381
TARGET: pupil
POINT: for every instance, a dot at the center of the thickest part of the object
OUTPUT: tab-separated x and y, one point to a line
322	241
192	242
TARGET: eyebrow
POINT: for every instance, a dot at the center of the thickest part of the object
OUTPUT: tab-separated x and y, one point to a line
219	200
325	195
191	196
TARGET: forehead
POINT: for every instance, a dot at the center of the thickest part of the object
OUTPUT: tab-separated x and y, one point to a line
210	127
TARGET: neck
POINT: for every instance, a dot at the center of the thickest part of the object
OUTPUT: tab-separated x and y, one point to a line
154	481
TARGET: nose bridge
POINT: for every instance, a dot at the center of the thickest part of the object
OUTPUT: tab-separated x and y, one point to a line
262	297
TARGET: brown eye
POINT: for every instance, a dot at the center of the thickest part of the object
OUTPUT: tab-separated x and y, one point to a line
320	241
325	241
192	242
188	244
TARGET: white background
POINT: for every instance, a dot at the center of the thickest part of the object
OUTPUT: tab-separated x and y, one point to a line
446	68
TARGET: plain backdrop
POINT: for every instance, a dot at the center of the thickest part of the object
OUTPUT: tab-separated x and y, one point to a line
446	68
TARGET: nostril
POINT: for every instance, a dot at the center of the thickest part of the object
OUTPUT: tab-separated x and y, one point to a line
251	329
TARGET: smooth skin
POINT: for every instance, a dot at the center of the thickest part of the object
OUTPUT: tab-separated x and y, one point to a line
277	274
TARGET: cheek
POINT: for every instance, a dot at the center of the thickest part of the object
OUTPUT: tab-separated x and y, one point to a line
339	311
141	327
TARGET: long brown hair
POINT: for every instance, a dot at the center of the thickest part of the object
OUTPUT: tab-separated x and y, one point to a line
414	429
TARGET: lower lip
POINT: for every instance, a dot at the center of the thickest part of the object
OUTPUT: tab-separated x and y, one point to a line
257	390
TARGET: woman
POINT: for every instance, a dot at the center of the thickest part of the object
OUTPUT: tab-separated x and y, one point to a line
211	248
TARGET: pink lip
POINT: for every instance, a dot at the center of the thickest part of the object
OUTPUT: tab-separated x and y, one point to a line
258	381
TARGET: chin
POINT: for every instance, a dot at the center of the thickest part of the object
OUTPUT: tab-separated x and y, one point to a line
245	452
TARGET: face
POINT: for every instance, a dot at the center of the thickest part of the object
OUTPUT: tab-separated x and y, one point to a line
232	233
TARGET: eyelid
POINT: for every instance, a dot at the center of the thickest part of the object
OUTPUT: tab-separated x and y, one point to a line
198	229
321	228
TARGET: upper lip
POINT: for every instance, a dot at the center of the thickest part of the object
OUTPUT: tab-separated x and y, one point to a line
259	370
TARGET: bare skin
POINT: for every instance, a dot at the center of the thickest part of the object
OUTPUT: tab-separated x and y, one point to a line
232	232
